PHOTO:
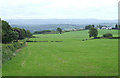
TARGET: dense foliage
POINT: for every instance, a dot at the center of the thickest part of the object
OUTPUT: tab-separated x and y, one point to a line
10	34
22	33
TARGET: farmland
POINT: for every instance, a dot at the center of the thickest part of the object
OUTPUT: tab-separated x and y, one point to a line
66	55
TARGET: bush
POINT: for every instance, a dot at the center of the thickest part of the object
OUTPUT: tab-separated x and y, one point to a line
107	35
9	49
6	53
17	45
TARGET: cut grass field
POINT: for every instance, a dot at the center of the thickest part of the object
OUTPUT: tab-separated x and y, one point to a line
72	57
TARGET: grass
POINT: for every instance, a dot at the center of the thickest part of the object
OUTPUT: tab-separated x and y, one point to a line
72	57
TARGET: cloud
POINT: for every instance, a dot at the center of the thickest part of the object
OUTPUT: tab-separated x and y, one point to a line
59	9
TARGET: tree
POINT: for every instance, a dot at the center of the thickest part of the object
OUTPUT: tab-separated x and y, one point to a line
89	26
28	34
14	35
93	32
8	34
21	32
60	30
116	26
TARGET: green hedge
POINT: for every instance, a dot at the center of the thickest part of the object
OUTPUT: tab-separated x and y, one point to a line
8	50
107	35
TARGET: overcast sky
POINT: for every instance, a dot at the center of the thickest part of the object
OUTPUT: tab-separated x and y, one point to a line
59	9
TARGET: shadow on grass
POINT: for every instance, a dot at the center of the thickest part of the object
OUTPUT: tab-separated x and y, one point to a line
43	41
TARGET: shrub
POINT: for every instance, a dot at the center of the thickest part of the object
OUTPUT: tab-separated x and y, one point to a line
11	47
6	53
107	35
9	50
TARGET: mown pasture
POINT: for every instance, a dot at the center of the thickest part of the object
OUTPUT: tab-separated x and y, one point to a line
71	57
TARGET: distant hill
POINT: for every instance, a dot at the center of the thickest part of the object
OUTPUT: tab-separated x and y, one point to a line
51	24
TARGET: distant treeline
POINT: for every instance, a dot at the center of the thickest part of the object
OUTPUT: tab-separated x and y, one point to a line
101	26
46	32
10	34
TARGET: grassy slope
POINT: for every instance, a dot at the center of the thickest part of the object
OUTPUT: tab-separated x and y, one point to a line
71	57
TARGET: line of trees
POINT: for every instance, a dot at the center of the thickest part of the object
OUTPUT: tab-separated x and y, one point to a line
10	34
42	32
58	30
89	26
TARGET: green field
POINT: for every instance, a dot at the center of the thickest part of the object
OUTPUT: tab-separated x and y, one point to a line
72	57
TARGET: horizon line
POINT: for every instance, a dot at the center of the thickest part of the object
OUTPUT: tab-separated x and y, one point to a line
57	19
